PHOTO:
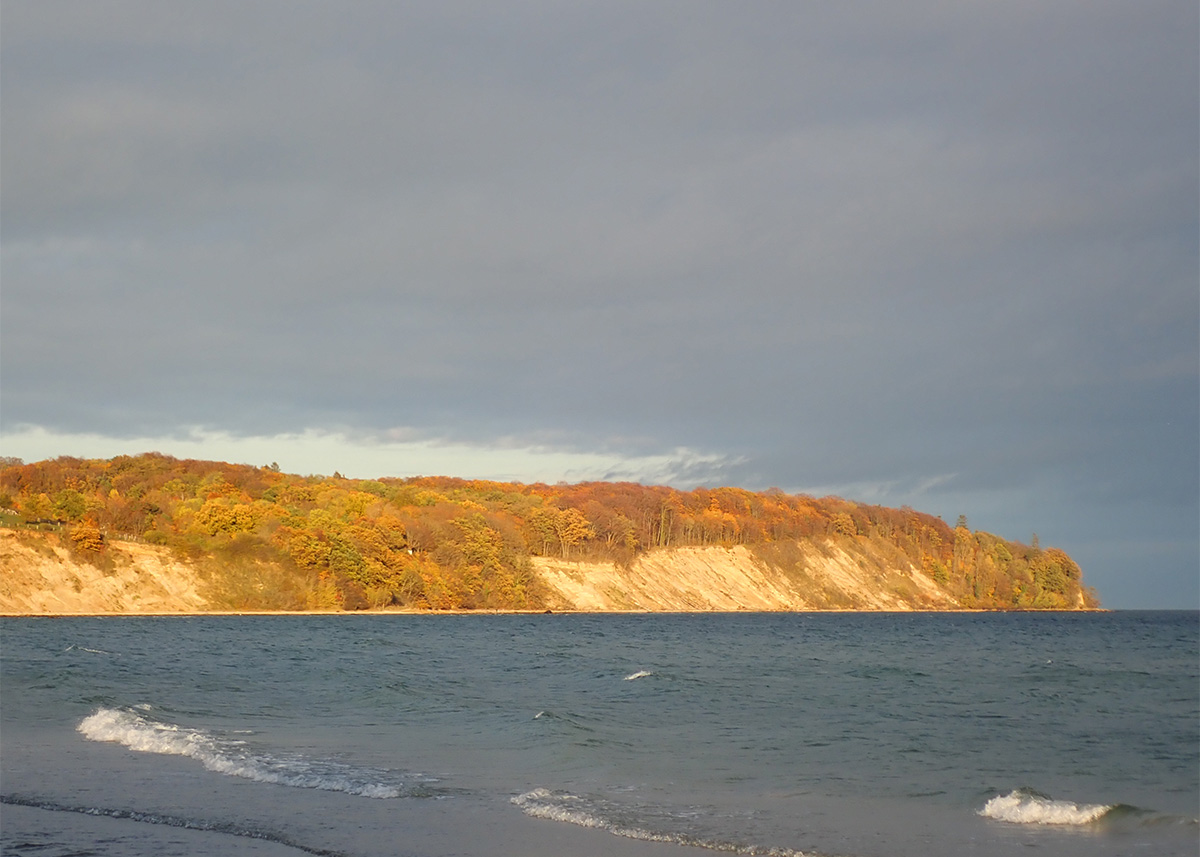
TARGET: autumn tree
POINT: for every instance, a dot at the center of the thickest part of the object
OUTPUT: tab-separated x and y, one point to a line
572	529
541	529
87	538
35	507
843	524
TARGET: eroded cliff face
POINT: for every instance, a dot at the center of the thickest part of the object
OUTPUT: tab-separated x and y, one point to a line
39	576
793	576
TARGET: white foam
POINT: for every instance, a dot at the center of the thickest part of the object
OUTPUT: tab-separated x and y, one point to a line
638	674
1021	807
543	803
230	758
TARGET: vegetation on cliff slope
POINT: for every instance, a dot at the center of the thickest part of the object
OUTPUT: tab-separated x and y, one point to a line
279	541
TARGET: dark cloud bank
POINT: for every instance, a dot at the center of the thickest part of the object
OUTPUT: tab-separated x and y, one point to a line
936	254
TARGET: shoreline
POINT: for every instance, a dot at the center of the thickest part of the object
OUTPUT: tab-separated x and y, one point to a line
494	612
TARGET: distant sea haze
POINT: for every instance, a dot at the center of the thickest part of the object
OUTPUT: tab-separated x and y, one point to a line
863	735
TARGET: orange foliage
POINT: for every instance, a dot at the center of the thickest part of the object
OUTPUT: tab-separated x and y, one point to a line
442	542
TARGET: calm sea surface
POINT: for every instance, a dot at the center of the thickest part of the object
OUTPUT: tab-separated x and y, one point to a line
852	734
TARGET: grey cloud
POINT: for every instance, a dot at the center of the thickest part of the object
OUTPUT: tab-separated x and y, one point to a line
827	245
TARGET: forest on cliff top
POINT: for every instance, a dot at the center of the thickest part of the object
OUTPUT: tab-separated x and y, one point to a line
271	540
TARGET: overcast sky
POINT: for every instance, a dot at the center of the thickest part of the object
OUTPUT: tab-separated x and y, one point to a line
941	254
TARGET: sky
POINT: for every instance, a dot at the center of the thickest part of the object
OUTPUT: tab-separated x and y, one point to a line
935	254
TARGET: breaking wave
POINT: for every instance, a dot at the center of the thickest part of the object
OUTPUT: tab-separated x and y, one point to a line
621	821
1025	806
234	758
638	674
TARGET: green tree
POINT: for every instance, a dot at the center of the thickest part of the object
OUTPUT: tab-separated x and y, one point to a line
69	504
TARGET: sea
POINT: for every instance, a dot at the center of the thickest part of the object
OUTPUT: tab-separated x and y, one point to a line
579	735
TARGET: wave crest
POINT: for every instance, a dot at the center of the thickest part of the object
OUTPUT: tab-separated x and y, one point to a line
232	758
1026	807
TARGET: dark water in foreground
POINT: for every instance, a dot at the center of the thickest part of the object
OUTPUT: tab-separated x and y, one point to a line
848	734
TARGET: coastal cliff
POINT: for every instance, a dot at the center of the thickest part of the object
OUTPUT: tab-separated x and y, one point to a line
155	533
41	575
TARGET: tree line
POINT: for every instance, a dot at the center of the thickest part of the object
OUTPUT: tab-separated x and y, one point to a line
272	540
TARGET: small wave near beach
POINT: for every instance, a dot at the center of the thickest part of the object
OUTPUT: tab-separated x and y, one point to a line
139	732
1024	806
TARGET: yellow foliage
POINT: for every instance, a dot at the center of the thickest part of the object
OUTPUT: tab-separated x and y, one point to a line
87	537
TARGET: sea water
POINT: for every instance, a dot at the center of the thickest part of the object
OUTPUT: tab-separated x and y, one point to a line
868	735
